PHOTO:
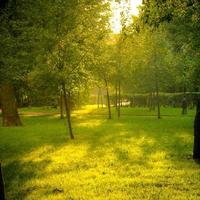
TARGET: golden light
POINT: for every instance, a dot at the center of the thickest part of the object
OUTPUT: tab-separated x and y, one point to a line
129	6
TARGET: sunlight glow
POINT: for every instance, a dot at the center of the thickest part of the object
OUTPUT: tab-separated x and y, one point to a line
130	7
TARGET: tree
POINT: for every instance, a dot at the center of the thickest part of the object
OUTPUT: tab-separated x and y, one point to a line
7	97
21	33
181	20
184	29
124	18
73	54
196	148
147	62
9	105
104	69
31	30
2	193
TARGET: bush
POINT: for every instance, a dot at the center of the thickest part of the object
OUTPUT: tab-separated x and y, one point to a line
166	99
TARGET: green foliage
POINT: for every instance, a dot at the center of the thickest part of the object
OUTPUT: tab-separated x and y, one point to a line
166	99
183	32
37	33
147	58
71	58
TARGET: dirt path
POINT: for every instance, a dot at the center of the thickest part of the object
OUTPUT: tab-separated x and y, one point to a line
33	114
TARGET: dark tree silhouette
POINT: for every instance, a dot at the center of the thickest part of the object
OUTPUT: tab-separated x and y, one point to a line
68	110
184	106
2	194
3	4
10	114
196	149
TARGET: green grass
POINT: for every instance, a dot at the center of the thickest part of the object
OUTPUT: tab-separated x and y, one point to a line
135	157
141	111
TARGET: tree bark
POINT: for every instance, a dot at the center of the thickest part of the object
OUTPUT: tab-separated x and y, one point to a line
2	192
153	101
10	114
184	106
150	101
116	96
196	147
98	98
101	98
61	105
79	100
158	99
184	101
119	99
67	109
108	100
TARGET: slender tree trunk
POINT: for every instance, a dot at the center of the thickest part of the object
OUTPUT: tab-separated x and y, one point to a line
79	102
2	192
9	105
108	100
153	101
67	109
158	98
61	105
116	97
150	101
196	148
119	99
184	101
101	97
131	101
184	106
98	98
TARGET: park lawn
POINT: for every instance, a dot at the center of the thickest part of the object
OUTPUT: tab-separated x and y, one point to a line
135	157
144	111
92	109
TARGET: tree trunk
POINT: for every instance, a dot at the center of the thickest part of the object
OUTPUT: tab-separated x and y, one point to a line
196	148
98	98
153	101
2	193
131	102
67	109
184	101
108	100
61	105
158	99
119	99
150	101
116	98
79	101
101	99
9	106
184	106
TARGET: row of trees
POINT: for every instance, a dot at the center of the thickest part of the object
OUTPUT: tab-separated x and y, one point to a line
179	21
48	45
158	52
60	48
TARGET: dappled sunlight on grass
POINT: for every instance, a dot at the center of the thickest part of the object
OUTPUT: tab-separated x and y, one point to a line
85	110
55	116
159	155
37	155
128	158
91	123
185	137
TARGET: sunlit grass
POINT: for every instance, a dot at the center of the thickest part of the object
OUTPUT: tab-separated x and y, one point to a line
128	158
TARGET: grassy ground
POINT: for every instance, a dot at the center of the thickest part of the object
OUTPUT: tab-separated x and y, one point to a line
136	157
